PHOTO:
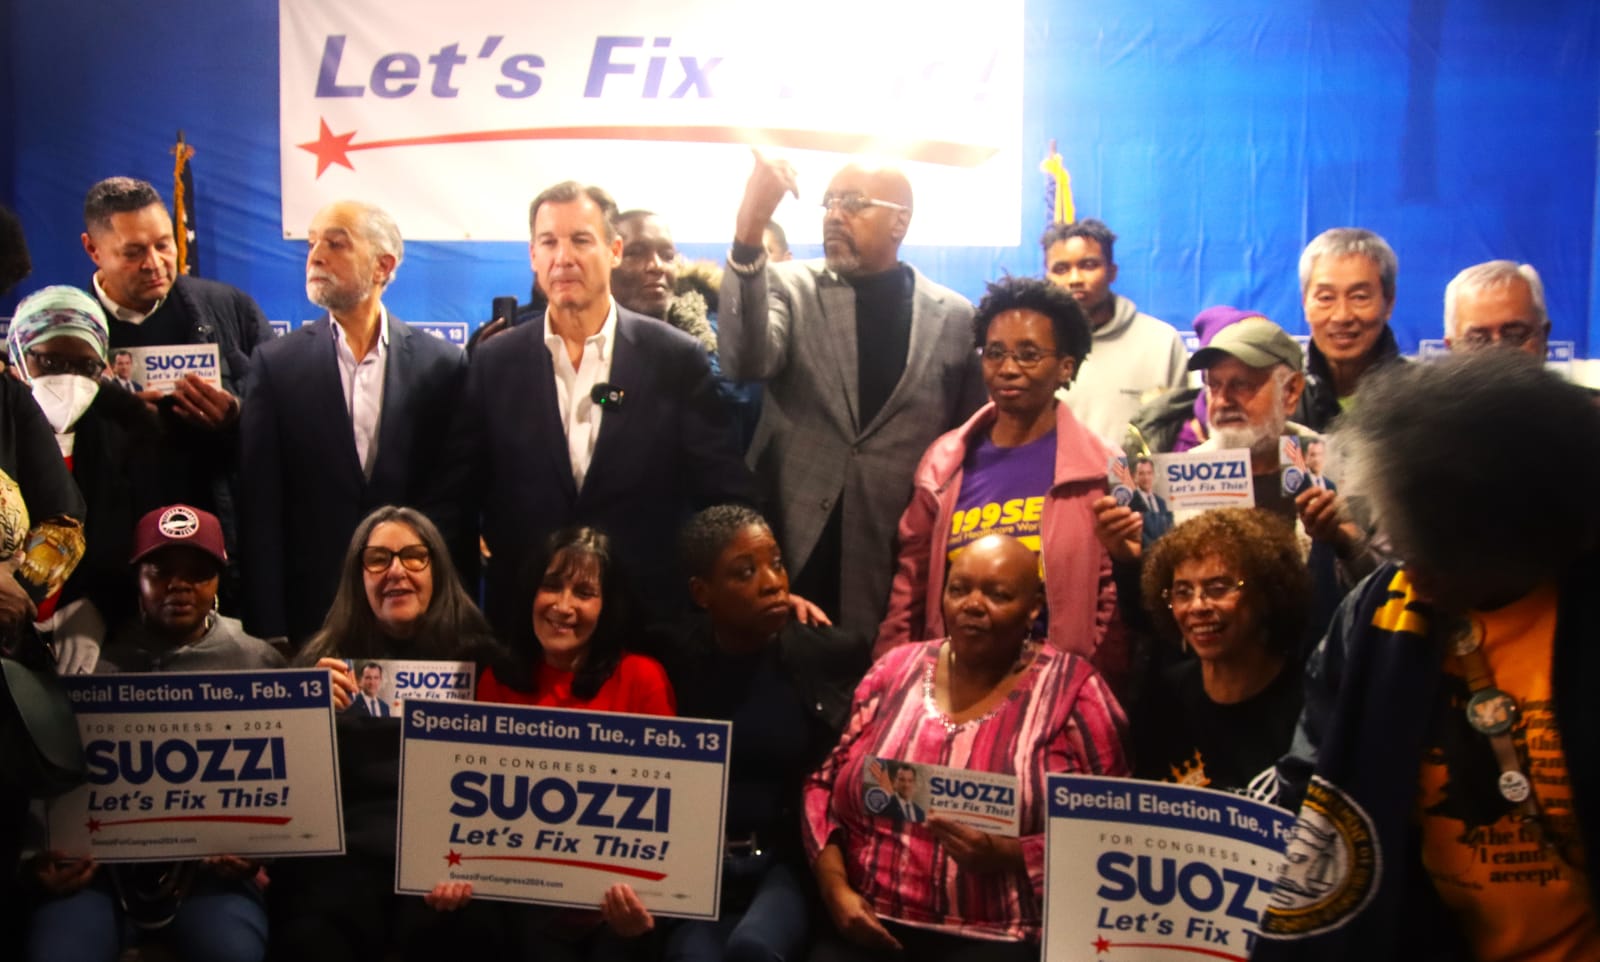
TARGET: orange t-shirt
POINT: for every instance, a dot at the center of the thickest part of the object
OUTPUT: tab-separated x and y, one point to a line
1516	899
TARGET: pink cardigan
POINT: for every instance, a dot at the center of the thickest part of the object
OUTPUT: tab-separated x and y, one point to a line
1077	570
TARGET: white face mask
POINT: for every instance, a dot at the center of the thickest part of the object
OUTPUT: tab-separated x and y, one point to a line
64	398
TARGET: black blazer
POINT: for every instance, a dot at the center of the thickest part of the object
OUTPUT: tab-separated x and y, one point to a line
666	452
822	664
302	490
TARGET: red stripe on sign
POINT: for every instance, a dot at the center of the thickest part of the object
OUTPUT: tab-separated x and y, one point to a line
241	819
331	148
574	863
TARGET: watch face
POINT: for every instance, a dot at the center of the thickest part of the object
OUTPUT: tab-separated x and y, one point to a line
1491	711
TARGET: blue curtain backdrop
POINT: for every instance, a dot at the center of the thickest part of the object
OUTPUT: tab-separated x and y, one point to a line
1215	138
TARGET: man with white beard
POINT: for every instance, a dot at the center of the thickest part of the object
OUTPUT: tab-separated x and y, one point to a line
1254	373
310	475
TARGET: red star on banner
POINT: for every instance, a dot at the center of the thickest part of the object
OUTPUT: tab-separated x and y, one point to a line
454	858
330	148
1101	945
93	825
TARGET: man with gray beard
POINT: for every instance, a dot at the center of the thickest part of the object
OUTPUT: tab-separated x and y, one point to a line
865	363
1254	373
345	414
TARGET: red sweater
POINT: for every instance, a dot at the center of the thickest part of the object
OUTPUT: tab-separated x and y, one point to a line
639	686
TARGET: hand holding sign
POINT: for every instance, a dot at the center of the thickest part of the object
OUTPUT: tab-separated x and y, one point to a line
975	850
448	896
343	683
198	402
60	874
1119	528
763	192
624	913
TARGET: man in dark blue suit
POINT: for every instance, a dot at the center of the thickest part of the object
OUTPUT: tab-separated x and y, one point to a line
345	414
1157	516
367	701
592	415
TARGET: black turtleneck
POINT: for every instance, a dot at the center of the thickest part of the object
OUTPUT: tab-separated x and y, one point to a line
883	335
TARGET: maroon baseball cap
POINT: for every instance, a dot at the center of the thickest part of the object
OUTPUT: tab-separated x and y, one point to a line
178	524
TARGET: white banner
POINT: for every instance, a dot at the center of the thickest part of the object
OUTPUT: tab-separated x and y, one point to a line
453	116
189	764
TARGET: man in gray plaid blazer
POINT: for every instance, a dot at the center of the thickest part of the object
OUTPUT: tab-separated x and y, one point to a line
865	363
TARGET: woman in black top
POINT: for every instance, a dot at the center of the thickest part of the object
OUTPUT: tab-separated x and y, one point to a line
786	687
1231	586
398	597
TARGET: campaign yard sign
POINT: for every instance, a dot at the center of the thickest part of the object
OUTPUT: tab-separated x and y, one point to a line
555	806
1150	871
189	764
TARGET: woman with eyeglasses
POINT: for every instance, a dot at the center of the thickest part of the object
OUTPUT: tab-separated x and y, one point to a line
398	598
1231	588
1023	466
110	442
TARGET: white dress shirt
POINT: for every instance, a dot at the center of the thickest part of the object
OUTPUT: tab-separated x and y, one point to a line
363	387
580	416
117	311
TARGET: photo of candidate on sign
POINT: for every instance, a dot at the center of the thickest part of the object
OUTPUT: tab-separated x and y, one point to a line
1306	463
383	683
185	765
555	806
905	793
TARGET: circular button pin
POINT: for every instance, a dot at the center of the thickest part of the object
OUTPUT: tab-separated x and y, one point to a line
1491	711
1514	787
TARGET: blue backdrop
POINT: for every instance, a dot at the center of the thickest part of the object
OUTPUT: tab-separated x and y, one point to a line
1215	138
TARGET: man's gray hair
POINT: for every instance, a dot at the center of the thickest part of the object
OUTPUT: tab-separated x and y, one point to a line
383	234
1347	242
570	190
1491	274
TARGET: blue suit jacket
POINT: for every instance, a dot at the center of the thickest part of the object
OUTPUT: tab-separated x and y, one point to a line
358	706
667	451
303	492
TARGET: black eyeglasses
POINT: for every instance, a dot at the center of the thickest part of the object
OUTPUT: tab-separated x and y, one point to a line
413	557
1514	334
853	204
1184	595
1026	357
61	364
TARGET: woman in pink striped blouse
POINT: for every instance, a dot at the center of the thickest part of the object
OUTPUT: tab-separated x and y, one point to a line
987	699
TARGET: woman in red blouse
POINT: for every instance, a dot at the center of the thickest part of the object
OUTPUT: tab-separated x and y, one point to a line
573	657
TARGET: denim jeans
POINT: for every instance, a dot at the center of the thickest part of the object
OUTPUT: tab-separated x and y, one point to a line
772	927
221	920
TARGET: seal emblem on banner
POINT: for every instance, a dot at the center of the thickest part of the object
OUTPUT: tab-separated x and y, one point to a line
1332	865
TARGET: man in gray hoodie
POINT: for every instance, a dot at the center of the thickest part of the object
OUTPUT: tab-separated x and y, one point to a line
1132	356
